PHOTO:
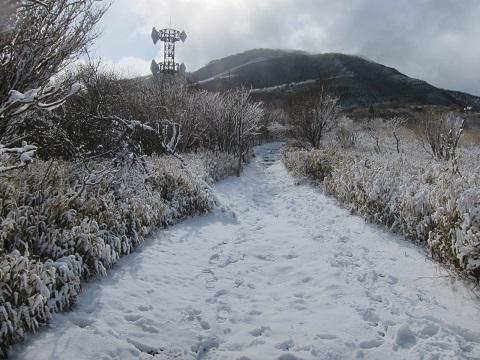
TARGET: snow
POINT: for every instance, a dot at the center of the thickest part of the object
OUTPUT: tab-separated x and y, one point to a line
291	276
75	88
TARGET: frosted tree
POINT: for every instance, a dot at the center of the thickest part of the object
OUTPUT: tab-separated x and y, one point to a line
245	115
235	121
313	114
185	106
345	134
221	133
440	133
41	38
37	40
106	117
395	124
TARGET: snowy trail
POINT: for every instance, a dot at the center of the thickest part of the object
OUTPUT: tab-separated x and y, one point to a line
293	277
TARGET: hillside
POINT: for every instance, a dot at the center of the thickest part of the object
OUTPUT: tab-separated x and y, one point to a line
360	82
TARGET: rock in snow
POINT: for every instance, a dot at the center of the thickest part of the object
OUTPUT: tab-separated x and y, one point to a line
292	276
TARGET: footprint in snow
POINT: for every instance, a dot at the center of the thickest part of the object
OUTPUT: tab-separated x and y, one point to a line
230	260
219	293
191	314
210	278
205	345
325	337
263	330
223	313
238	282
144	308
285	345
214	258
220	245
144	323
370	344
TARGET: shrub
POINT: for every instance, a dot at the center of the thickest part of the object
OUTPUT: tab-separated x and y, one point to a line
56	231
420	199
310	164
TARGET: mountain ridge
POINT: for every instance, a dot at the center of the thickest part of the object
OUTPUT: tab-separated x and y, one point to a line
273	73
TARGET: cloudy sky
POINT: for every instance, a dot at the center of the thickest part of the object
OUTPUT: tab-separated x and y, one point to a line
434	40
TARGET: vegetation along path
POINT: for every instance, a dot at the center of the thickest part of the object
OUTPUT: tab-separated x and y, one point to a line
291	276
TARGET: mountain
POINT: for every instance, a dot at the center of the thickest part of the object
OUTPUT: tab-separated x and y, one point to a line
273	74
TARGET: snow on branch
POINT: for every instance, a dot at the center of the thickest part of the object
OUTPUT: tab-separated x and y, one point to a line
19	102
90	179
174	138
25	153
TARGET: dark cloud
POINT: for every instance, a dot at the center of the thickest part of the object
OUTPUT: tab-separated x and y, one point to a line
434	40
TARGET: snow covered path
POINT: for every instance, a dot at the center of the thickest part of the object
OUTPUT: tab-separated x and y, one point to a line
293	277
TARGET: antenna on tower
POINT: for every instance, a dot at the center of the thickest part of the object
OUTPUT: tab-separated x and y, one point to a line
169	37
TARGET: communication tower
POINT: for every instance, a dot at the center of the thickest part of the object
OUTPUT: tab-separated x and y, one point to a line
169	37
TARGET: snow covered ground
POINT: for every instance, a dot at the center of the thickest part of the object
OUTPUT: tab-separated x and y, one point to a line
292	277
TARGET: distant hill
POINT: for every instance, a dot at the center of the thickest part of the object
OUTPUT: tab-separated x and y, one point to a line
360	82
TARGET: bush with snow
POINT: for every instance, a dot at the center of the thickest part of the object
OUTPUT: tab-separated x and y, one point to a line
427	201
56	231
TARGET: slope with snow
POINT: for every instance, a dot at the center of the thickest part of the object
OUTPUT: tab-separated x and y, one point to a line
293	276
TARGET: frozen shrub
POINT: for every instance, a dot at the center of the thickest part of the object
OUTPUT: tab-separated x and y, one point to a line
345	134
411	195
440	133
60	224
313	164
456	235
31	291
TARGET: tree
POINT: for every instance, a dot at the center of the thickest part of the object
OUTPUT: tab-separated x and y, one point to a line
41	39
394	124
375	128
346	134
100	119
371	112
313	114
44	37
245	116
440	133
183	105
37	40
221	130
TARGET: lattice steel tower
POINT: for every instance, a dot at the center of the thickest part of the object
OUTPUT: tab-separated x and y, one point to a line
169	38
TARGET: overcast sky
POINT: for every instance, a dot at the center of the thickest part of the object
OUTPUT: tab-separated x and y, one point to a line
434	40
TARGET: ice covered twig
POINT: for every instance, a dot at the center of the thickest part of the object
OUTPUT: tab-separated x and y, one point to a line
24	153
48	98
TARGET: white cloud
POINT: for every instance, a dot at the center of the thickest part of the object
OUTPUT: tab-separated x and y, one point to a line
132	66
434	40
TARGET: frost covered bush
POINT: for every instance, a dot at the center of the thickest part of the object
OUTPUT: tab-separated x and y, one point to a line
421	199
311	164
346	134
219	165
440	133
456	236
32	290
60	224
